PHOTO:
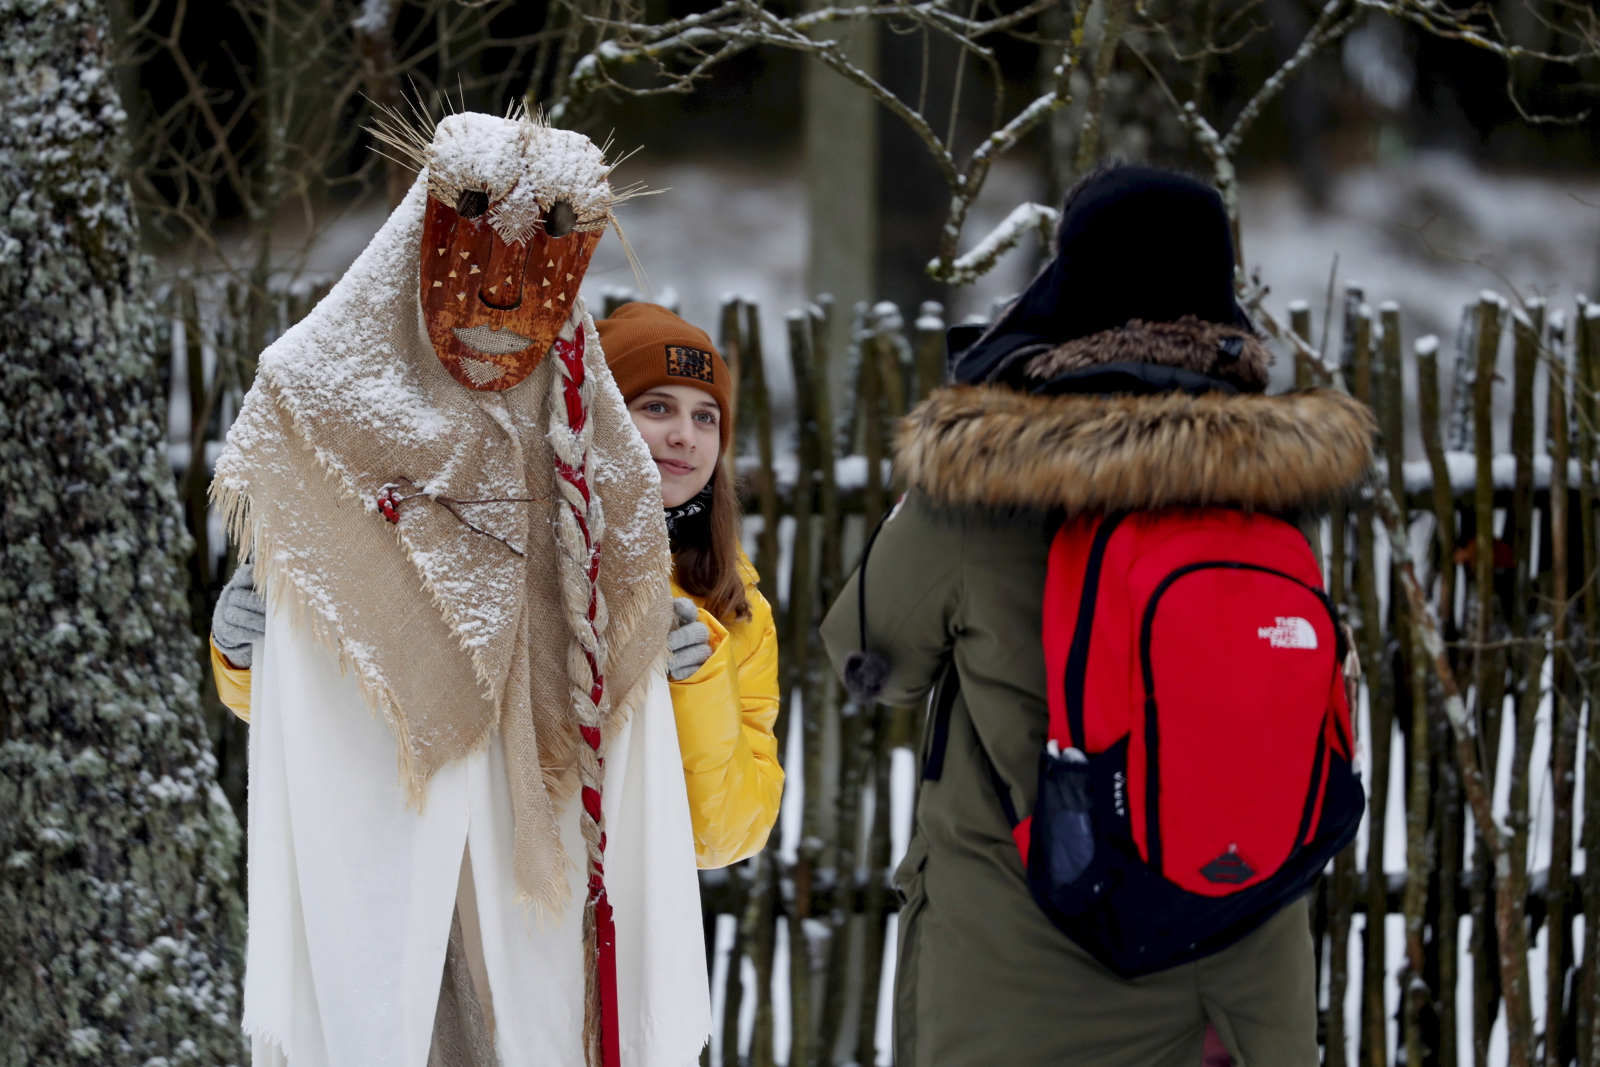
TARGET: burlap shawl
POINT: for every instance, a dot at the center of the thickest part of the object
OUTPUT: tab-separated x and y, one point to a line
452	619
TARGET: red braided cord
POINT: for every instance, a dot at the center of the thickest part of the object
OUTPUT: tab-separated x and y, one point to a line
571	355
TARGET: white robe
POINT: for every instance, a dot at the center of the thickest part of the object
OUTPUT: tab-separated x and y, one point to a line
351	891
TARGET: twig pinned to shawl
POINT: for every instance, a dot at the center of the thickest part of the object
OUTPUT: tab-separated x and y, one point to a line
389	501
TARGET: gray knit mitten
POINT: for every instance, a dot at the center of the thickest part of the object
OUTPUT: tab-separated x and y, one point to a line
689	642
240	619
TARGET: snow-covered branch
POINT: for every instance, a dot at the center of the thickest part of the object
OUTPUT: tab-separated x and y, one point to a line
1439	21
1476	26
1328	27
946	267
680	52
974	264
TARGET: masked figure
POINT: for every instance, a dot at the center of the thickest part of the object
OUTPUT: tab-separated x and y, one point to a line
469	836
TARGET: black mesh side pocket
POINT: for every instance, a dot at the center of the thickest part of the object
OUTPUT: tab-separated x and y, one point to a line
1071	865
1063	817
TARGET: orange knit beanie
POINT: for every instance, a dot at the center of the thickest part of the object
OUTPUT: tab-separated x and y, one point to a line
646	345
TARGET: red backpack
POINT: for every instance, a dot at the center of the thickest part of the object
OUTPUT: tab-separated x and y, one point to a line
1197	775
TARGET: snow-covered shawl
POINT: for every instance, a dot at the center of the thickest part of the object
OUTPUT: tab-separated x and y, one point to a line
454	620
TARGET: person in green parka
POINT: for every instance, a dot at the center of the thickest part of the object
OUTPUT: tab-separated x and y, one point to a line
1139	297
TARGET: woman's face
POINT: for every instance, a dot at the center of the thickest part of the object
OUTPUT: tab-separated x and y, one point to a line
681	426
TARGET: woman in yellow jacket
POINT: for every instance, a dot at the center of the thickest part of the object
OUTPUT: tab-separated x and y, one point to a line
724	647
724	676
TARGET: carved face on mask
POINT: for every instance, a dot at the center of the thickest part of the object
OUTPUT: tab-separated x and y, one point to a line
514	212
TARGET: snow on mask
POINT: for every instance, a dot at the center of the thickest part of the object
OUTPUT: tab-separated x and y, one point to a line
515	209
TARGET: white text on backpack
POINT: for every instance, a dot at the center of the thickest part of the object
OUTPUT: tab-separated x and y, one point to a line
1290	631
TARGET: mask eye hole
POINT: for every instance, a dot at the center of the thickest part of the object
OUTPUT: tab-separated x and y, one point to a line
560	219
472	203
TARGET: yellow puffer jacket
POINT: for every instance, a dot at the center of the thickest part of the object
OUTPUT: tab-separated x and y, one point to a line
725	711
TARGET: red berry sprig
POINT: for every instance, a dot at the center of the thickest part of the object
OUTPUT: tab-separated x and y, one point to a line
389	502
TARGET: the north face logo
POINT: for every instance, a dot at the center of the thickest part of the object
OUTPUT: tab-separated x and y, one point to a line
685	362
1290	631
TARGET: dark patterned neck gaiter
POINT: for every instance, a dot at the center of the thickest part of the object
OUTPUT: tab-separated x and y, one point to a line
692	512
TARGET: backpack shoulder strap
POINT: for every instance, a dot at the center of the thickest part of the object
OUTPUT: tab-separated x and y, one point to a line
938	722
1078	652
944	699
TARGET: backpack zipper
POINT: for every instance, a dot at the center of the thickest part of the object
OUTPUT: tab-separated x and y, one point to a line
1078	651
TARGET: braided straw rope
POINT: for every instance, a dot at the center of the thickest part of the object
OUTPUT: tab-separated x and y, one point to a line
580	529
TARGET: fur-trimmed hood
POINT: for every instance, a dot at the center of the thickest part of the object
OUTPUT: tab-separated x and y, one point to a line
994	447
1229	354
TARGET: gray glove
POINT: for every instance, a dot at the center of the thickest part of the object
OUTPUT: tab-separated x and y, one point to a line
240	619
689	642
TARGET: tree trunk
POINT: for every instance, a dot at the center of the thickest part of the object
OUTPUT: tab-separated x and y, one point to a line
840	137
120	921
374	34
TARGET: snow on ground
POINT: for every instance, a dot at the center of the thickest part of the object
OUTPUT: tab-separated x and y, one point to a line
713	229
1428	232
734	228
710	231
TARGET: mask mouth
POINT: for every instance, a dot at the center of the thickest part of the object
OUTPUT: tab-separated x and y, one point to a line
490	341
480	372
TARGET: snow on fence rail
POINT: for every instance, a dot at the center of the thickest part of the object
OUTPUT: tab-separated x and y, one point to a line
1425	985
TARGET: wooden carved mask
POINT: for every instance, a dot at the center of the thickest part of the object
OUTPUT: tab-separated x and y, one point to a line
514	212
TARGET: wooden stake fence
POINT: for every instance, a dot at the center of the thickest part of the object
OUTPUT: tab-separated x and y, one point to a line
1515	639
1470	579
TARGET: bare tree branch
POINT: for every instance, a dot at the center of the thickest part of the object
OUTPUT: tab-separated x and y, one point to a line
682	51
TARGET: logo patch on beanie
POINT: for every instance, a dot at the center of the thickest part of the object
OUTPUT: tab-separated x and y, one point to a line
685	362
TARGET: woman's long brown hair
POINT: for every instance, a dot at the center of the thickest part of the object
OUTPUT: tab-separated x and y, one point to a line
706	557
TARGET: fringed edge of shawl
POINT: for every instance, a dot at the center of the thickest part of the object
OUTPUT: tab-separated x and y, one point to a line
257	541
265	1033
